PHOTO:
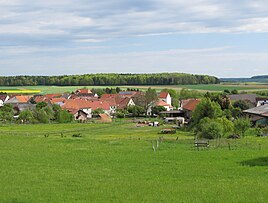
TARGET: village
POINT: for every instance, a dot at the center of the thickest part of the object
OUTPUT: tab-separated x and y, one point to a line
86	105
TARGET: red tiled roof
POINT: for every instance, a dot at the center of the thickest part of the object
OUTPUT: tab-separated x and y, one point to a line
162	103
84	91
163	95
110	100
38	99
191	104
23	99
57	100
116	100
109	95
122	103
51	96
83	103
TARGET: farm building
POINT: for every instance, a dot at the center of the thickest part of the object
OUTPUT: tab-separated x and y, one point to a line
188	106
250	98
258	115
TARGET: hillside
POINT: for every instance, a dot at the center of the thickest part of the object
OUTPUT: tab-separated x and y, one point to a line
260	79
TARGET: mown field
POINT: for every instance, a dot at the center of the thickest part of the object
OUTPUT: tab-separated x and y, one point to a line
115	163
202	88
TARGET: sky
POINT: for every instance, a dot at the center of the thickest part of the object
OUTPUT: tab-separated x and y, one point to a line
57	37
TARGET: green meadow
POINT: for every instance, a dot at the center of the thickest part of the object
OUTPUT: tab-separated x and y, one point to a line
202	88
116	163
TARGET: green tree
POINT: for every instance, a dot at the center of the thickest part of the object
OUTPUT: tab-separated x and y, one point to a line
136	110
41	105
7	113
227	125
157	109
98	111
234	91
206	108
26	116
210	129
243	105
41	116
150	98
241	125
65	117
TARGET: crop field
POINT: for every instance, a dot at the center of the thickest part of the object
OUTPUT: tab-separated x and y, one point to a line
115	163
202	88
19	91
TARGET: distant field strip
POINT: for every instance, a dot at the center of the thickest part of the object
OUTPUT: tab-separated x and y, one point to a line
20	91
201	88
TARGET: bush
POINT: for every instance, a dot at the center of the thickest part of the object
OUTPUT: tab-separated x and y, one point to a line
212	130
241	125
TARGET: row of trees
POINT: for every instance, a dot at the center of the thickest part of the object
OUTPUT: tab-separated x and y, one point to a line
109	79
41	114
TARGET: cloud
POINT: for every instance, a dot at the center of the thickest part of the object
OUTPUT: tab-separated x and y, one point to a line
108	19
214	61
83	33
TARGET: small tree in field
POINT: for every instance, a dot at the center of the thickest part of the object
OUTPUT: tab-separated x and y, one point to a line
65	117
210	129
241	125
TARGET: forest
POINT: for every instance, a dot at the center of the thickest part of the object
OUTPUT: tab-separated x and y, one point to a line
109	79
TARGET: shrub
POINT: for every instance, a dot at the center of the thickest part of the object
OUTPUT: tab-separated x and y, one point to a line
241	125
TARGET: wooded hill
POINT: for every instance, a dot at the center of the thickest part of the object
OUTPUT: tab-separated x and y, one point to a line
109	79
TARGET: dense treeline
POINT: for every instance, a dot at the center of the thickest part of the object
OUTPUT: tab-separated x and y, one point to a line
109	79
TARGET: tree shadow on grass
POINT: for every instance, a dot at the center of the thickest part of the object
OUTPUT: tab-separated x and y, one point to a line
261	161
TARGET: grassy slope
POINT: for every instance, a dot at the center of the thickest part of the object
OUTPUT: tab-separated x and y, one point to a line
110	163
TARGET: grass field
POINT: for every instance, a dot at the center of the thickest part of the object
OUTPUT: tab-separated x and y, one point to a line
115	163
202	88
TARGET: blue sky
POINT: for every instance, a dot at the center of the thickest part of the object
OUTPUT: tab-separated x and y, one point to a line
222	38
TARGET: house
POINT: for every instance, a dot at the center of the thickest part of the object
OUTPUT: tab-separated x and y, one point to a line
3	99
123	103
129	94
83	93
59	101
23	107
261	101
87	106
258	115
117	101
167	106
173	116
80	115
188	106
18	100
40	98
165	96
250	98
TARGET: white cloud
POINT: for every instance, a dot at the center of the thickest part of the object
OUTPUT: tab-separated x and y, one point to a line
42	28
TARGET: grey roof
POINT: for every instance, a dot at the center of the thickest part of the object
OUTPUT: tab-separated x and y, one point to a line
246	97
260	110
